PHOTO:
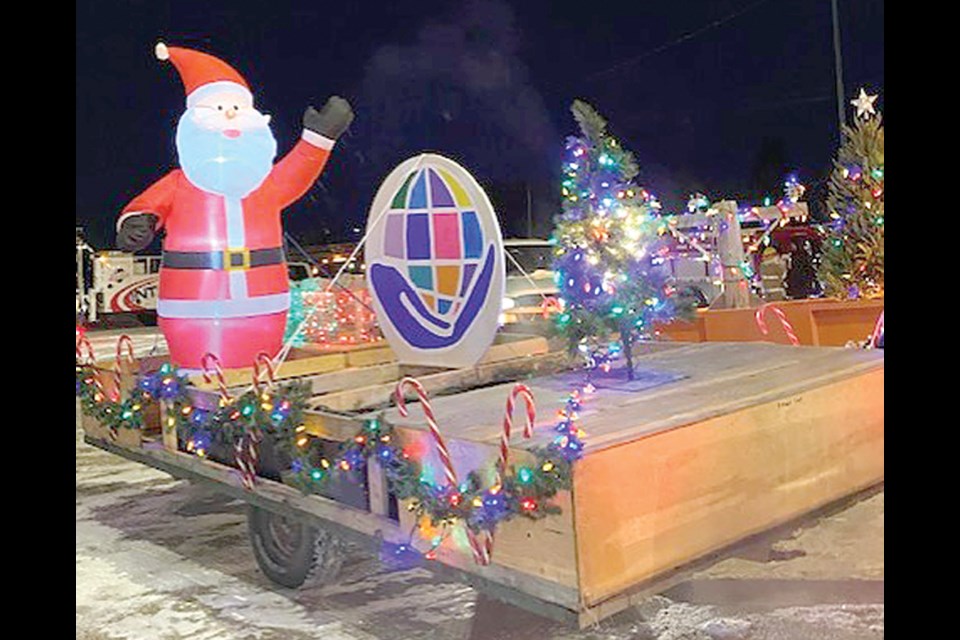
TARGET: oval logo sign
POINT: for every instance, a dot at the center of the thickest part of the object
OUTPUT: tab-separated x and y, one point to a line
434	259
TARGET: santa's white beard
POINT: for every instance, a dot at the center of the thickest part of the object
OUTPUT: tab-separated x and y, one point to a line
230	167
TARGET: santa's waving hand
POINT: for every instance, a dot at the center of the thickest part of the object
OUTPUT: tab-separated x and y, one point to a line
223	283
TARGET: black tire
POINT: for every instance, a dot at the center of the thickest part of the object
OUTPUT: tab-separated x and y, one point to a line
291	553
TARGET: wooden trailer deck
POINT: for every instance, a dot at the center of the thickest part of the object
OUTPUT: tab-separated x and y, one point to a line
745	438
715	443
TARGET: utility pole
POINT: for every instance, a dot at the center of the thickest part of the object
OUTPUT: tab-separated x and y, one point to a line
838	60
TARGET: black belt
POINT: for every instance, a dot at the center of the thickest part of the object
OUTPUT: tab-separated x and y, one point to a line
229	260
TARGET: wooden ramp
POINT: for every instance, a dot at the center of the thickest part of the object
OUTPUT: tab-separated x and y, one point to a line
740	438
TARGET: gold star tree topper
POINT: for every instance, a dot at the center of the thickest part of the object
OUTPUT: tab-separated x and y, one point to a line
864	104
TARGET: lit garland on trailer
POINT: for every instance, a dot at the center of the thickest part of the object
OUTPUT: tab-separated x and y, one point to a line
278	414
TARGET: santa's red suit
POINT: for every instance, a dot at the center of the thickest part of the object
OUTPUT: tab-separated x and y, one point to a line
223	281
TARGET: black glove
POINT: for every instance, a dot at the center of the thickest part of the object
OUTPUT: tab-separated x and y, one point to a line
330	121
136	232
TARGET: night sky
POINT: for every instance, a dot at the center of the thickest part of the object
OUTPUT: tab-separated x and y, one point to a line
719	96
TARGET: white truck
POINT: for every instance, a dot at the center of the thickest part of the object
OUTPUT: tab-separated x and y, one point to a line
116	282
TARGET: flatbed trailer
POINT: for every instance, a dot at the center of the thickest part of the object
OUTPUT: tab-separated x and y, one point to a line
713	444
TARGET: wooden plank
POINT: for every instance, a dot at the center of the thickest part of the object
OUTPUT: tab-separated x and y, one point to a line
720	377
592	614
291	368
377	488
334	381
509	346
444	381
684	492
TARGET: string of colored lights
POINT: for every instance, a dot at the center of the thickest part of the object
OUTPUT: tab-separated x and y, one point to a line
277	416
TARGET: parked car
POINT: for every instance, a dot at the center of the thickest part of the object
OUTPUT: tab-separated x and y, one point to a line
530	293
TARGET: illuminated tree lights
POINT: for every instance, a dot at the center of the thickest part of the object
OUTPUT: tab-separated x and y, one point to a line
851	264
610	250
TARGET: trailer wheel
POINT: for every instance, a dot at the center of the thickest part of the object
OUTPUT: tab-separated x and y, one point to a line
291	553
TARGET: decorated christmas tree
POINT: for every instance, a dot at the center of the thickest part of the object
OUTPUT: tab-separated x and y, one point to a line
609	257
851	264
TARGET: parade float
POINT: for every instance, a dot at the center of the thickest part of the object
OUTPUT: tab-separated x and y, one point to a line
568	476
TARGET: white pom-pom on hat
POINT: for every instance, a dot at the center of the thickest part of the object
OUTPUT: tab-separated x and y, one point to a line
162	52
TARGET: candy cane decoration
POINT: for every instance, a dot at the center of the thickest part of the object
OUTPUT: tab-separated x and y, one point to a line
221	381
83	343
245	454
245	449
431	421
783	320
123	341
524	392
481	551
877	332
264	359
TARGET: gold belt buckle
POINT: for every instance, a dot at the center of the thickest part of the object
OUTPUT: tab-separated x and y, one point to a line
228	255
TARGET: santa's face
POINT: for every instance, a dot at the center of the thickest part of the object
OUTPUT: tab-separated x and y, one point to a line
225	145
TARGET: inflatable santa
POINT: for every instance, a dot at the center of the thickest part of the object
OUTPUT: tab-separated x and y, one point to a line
223	280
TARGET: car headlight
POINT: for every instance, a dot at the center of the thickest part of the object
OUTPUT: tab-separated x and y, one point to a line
508	303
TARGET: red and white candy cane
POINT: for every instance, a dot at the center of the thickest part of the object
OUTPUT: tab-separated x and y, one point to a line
877	332
783	320
524	392
124	342
442	450
84	348
245	449
83	345
245	454
264	360
218	371
481	551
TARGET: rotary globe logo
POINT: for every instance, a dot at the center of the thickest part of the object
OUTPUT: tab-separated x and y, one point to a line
435	263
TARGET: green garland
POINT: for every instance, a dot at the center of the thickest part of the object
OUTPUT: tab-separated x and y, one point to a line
278	416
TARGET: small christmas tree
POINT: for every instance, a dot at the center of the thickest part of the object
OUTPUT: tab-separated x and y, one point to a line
609	261
851	263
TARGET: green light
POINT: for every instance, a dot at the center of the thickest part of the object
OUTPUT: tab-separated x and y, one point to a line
880	220
617	310
766	201
247	410
524	475
373	425
316	474
165	368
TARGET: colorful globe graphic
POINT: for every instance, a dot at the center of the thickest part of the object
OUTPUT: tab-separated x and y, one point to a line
434	260
432	227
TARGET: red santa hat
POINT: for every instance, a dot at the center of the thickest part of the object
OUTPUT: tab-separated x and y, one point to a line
202	73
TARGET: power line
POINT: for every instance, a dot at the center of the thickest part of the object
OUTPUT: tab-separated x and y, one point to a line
681	39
